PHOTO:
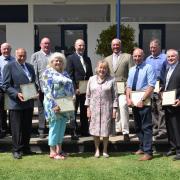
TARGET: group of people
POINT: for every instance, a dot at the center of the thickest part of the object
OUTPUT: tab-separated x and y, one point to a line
103	110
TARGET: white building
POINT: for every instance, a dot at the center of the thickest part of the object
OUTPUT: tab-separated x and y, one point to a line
24	22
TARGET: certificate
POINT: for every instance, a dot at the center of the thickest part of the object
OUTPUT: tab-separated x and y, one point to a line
66	104
120	87
6	102
29	91
136	96
82	86
168	97
157	87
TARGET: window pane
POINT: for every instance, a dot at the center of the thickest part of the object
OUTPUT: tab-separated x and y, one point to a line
72	13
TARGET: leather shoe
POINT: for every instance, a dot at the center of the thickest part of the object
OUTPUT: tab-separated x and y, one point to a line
139	152
177	157
126	137
170	153
145	157
17	155
28	152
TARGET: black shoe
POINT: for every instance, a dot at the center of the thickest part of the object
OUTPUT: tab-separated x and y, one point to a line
171	153
177	157
160	136
126	137
17	155
74	135
85	134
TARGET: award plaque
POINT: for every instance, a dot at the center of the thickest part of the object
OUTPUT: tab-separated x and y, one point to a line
136	96
168	98
120	87
83	86
66	104
29	91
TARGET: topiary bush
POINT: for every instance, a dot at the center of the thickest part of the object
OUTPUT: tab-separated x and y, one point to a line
106	36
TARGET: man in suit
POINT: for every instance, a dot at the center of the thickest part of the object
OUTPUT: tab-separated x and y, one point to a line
141	78
172	112
119	64
40	60
4	59
21	111
159	63
79	68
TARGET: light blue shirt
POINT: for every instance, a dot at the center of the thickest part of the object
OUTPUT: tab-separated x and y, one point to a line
158	63
3	62
146	77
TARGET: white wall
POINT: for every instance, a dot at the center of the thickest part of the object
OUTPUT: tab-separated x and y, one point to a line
20	35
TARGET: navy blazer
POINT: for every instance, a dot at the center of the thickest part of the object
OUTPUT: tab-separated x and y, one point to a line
75	69
13	77
174	81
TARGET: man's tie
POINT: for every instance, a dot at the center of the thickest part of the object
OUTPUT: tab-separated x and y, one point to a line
22	65
82	62
115	60
135	78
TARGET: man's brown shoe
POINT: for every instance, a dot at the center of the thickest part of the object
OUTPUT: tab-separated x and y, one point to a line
145	157
138	152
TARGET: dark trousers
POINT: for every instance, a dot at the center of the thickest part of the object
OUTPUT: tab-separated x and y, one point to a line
143	127
42	120
3	114
80	100
173	127
21	125
158	115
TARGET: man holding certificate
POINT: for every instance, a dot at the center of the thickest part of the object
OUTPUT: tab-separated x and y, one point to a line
80	69
141	78
15	74
159	63
119	64
172	110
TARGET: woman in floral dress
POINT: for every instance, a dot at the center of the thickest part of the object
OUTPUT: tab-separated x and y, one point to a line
56	84
101	99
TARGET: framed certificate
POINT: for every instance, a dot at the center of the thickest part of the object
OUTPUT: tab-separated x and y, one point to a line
82	86
120	87
136	97
168	97
66	104
29	91
157	87
6	102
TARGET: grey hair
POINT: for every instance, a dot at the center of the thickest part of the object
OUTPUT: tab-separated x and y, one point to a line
174	51
59	56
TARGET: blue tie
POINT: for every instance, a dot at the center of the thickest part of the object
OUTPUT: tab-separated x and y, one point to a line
23	66
135	78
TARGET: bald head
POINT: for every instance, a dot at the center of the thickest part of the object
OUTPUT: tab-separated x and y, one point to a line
79	46
138	56
45	45
20	55
6	50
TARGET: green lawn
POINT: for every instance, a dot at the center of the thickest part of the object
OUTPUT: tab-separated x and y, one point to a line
85	167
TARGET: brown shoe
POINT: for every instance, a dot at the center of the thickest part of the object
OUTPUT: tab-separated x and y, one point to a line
145	157
138	152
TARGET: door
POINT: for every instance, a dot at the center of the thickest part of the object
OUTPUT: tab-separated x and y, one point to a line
149	32
69	34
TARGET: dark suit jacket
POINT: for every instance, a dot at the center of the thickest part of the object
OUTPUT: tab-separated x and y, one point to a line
76	70
174	81
13	77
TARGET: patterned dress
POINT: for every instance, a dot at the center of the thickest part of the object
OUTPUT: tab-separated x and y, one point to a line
101	97
56	85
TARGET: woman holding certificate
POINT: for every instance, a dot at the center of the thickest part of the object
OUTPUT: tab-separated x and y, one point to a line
101	102
57	86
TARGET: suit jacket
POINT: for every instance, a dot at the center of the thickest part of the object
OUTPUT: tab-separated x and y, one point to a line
174	81
75	69
125	62
13	77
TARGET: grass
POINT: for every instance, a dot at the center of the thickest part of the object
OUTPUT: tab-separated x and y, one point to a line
85	167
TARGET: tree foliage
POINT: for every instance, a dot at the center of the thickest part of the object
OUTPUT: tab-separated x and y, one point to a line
106	36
